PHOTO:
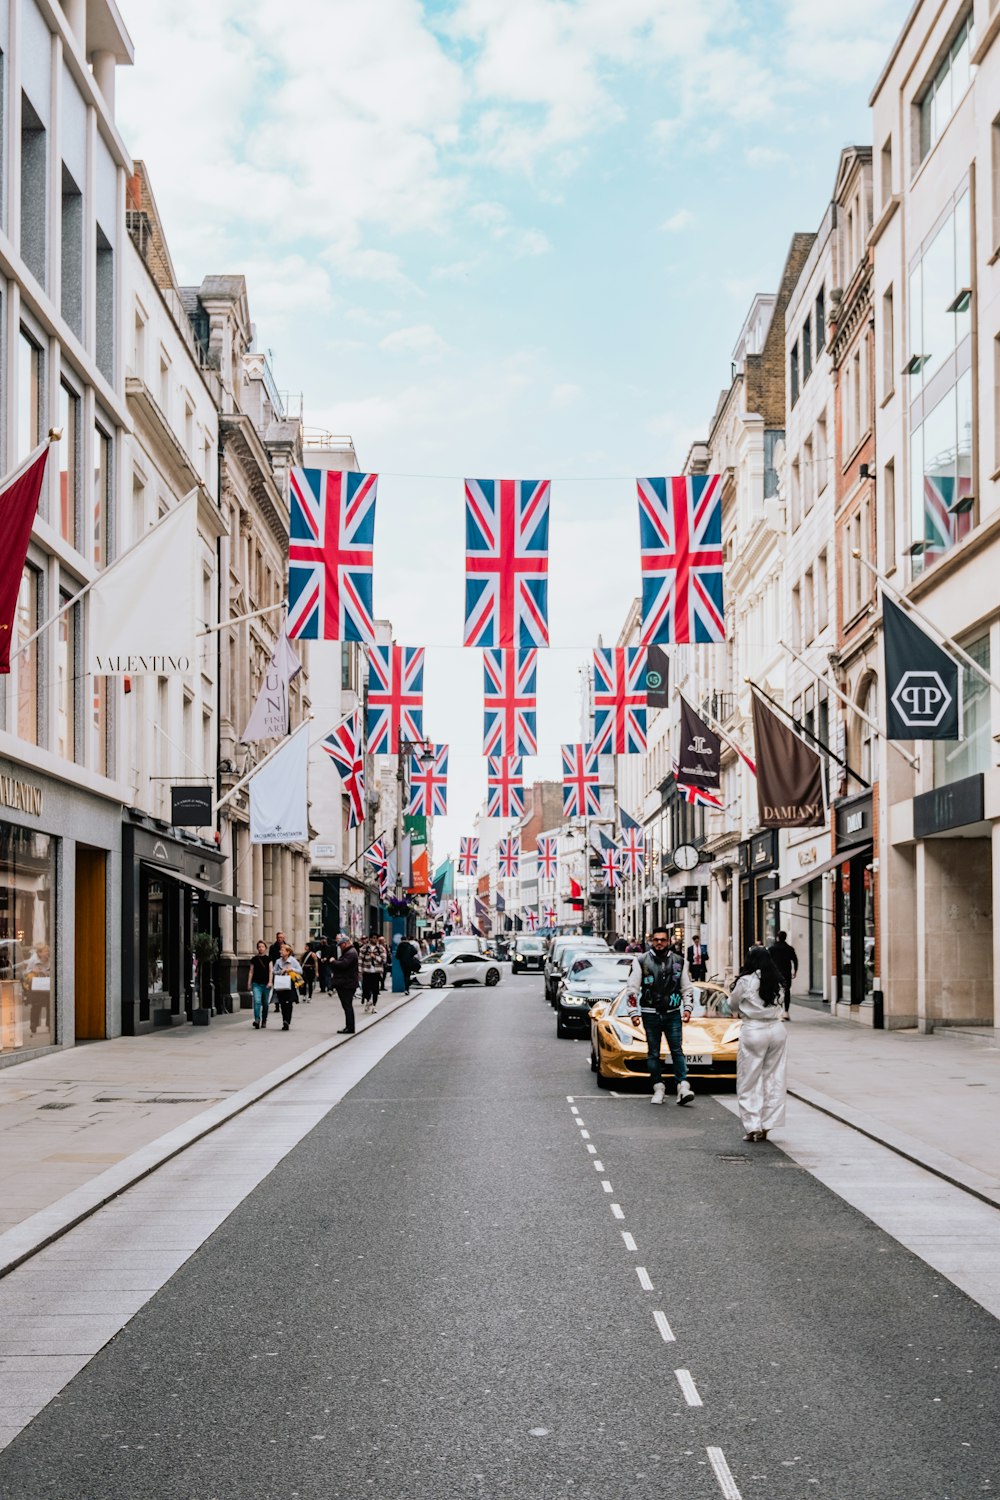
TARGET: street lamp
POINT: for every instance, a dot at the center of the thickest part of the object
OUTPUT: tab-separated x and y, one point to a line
404	747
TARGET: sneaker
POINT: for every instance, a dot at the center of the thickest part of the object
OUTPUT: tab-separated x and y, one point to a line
658	1093
685	1093
256	1026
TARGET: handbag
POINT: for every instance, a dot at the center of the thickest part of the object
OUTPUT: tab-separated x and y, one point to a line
282	981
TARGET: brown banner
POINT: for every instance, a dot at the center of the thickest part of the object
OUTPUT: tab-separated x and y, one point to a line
789	774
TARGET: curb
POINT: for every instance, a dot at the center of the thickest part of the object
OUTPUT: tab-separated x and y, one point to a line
938	1163
49	1224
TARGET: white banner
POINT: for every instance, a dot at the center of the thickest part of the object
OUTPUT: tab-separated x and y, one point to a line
279	804
142	608
269	719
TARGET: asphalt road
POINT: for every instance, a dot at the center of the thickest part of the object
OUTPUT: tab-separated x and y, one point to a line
433	1298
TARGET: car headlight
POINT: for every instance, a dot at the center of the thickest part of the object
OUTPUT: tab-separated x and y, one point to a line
580	1000
626	1036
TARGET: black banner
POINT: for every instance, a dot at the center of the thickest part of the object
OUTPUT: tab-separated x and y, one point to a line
657	677
699	751
923	684
789	774
191	806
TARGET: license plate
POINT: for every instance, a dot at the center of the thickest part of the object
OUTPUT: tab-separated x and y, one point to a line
698	1059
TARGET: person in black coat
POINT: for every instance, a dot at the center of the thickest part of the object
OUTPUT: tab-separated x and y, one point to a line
786	961
697	960
344	972
409	962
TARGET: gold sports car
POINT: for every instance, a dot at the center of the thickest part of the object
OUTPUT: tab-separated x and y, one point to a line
710	1037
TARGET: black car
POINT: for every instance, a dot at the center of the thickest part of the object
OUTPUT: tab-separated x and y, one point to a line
529	953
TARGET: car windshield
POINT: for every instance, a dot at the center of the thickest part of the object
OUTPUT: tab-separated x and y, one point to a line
599	968
529	945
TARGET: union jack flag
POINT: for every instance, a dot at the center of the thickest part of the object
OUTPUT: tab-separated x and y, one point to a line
620	700
433	904
581	782
509	856
633	851
468	858
680	538
697	795
506	562
551	916
530	919
331	537
548	856
610	863
456	909
504	787
377	857
509	701
345	749
395	697
429	783
943	526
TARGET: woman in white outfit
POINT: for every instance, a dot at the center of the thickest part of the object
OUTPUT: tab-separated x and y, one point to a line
760	1064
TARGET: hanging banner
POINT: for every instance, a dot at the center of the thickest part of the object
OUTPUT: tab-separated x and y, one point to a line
657	677
415	826
699	751
142	608
269	718
923	684
789	774
279	812
18	506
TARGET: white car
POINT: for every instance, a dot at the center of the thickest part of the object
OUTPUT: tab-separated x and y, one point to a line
461	966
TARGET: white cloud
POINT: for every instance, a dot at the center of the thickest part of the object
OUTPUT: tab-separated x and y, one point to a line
838	41
496	219
682	219
419	338
565	395
765	156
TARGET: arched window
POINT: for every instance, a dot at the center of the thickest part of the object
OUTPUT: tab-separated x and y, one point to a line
869	736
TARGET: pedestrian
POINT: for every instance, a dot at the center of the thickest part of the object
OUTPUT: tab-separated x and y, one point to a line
621	946
344	970
310	973
286	977
409	962
697	960
760	1062
37	980
260	984
274	952
386	961
786	961
370	960
324	956
659	987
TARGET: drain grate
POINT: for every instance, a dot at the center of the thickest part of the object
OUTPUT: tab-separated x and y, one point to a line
124	1099
55	1106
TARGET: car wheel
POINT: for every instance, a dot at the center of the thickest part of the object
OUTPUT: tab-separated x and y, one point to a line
492	977
602	1082
593	1060
438	979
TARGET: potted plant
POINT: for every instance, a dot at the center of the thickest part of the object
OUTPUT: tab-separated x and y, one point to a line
205	947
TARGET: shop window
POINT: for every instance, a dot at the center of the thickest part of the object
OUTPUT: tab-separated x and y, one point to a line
69	463
27	939
956	759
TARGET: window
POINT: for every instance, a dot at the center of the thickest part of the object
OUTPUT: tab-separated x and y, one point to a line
793	373
885	164
102	496
941	495
940	297
24	664
956	759
67	676
888	346
27	937
139	343
889	515
808	476
807	352
822	594
164	383
72	254
820	320
188	428
808	606
34	190
945	91
100	724
822	455
797	617
138	506
869	735
795	485
995	173
69	463
104	344
29	395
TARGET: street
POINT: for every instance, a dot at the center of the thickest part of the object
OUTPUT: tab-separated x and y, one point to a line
477	1276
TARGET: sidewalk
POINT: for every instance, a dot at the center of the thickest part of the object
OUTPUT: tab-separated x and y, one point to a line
73	1116
933	1098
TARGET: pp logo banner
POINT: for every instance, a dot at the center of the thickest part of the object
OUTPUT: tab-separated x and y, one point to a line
921	699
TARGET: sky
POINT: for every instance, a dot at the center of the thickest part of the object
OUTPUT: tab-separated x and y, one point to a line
499	238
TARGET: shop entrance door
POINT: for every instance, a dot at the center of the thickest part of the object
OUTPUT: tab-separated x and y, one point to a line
90	1003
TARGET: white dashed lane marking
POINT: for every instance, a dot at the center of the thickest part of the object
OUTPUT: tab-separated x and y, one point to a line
607	1186
665	1330
592	1150
689	1388
617	1210
585	1135
727	1483
644	1280
598	1166
629	1241
574	1110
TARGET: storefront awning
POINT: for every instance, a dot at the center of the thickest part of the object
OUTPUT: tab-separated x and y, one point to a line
212	894
808	876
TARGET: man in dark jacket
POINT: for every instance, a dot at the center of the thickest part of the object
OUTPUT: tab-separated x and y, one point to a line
786	961
344	971
409	962
659	988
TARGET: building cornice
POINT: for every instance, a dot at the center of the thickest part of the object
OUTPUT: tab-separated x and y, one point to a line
238	433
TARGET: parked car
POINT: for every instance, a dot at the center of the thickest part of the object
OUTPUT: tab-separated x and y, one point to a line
529	953
556	948
710	1040
463	966
595	978
568	959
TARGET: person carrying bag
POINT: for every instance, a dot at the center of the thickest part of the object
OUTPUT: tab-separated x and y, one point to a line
287	979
